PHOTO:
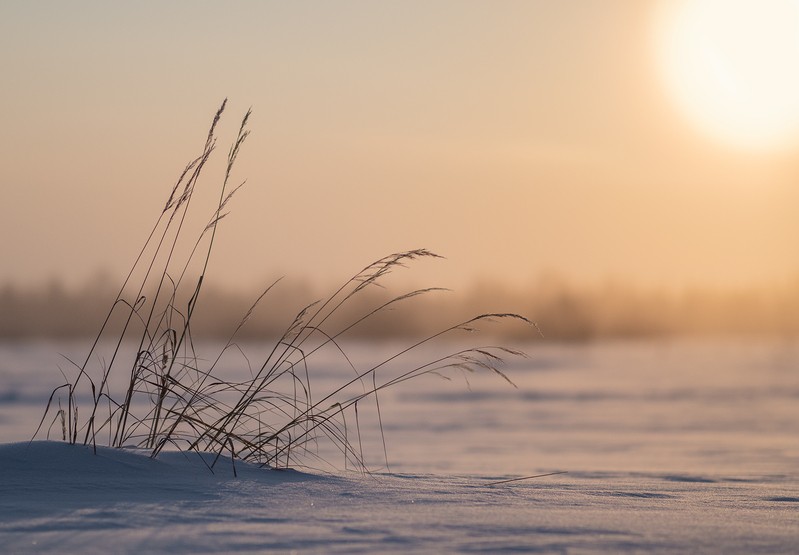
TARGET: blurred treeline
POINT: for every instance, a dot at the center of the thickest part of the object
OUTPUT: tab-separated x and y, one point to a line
563	311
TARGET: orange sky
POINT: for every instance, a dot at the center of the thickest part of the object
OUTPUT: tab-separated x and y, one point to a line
514	138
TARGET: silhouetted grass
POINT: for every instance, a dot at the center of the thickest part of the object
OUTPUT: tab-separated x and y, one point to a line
276	417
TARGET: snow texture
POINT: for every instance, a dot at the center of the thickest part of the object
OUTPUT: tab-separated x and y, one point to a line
678	447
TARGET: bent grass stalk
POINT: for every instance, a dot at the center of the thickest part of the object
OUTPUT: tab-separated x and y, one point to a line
274	417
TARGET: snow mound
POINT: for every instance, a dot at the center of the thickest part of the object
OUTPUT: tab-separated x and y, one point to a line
75	475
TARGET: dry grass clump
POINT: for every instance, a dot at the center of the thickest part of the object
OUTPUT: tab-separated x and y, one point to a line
276	417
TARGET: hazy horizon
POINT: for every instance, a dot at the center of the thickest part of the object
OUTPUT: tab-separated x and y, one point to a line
562	310
516	139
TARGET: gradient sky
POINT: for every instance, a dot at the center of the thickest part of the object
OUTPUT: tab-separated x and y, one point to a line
515	138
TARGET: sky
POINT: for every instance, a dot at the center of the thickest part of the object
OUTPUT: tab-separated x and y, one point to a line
517	139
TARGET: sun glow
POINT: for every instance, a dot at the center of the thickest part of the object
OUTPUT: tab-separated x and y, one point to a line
733	68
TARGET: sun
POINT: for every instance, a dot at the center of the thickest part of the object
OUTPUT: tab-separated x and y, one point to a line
732	66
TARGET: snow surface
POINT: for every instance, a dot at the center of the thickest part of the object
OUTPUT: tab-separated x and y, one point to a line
670	447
